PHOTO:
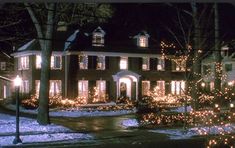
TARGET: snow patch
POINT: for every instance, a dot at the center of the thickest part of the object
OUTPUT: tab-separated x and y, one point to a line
130	123
182	109
196	131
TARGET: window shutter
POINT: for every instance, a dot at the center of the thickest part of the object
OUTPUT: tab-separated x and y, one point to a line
107	88
106	62
94	61
90	62
140	63
152	64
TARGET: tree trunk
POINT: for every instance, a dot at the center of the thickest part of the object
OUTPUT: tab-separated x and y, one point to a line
196	62
217	69
43	110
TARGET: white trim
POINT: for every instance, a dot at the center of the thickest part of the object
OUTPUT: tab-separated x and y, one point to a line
31	52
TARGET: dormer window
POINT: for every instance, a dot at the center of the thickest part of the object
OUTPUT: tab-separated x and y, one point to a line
98	37
142	39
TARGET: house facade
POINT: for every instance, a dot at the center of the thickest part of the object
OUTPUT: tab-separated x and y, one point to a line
6	69
228	69
87	64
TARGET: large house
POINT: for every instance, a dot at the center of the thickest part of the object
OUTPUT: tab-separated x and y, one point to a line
228	69
6	69
92	61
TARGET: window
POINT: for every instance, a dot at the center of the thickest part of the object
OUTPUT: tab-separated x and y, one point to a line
38	61
178	65
161	64
177	87
101	90
100	63
206	69
3	65
25	86
145	88
212	86
145	64
98	40
56	62
228	67
83	88
161	88
143	41
124	63
98	37
37	87
23	63
55	87
83	62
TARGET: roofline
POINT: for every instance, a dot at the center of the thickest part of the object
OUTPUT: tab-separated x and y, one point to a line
112	54
33	52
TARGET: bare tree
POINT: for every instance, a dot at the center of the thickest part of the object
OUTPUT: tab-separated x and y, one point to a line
44	18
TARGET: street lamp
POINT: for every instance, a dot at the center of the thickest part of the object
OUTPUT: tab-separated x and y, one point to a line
17	83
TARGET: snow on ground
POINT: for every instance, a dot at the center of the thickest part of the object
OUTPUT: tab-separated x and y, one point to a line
196	131
31	131
130	123
182	109
78	112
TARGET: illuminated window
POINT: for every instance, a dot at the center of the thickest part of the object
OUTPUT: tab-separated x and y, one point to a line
56	62
123	63
83	62
83	88
38	61
3	65
161	64
100	63
161	88
178	65
212	86
145	64
145	88
143	41
37	86
55	87
101	88
24	88
23	63
177	87
98	37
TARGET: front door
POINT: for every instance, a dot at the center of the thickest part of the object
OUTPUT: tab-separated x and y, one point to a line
125	87
123	90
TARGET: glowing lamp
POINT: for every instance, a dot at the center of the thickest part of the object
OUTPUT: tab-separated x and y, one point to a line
231	105
216	105
203	84
230	83
17	81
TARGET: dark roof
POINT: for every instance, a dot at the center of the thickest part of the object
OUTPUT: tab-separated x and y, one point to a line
81	40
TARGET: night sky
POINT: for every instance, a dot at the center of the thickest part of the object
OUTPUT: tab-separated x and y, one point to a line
130	19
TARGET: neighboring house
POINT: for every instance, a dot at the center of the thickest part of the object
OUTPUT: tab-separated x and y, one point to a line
6	74
228	69
128	66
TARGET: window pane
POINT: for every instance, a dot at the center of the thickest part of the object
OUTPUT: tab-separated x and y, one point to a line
101	88
145	64
145	87
161	87
83	88
161	64
3	65
100	63
83	62
143	41
38	61
123	63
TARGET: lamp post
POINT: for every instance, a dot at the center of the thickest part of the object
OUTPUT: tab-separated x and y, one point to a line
17	83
